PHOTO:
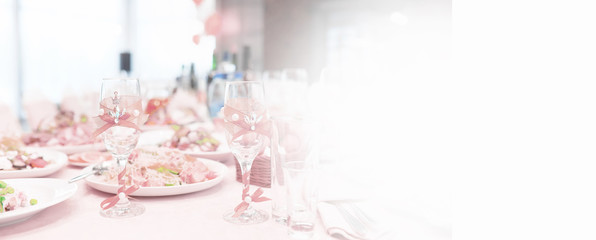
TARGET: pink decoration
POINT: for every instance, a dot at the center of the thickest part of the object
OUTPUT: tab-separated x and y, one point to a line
247	123
256	122
246	199
260	172
196	39
111	201
213	24
125	112
197	2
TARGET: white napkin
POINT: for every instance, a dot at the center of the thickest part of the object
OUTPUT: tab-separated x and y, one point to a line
9	123
341	220
340	198
40	112
82	103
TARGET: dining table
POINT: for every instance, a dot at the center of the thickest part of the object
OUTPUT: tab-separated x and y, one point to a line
197	215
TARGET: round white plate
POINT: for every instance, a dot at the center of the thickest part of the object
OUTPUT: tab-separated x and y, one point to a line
47	191
157	137
78	148
219	169
59	160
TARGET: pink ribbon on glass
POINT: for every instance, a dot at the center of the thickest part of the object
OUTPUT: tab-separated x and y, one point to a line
247	123
246	198
111	201
125	111
255	122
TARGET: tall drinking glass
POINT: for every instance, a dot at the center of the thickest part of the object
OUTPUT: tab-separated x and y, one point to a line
246	127
294	159
120	106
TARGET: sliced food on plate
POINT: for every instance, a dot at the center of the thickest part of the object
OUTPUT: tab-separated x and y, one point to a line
64	133
12	199
14	156
17	161
22	198
160	172
198	140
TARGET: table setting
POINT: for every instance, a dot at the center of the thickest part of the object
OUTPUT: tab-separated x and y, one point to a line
217	119
260	168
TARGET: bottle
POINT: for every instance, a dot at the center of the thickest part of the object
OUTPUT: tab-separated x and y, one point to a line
245	58
216	94
180	80
192	78
212	72
248	73
226	65
125	64
235	61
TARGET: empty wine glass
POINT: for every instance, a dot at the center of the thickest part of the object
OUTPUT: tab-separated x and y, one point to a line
120	110
246	127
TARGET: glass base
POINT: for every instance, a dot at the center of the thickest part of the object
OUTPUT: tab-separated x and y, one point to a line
250	216
126	211
301	231
283	220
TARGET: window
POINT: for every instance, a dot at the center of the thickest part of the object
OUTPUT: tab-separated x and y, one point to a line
67	46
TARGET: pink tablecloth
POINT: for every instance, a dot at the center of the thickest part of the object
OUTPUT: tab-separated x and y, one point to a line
190	216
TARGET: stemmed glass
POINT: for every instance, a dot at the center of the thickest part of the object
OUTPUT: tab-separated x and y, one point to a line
121	105
246	127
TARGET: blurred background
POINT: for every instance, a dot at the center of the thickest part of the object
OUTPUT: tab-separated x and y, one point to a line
57	46
374	73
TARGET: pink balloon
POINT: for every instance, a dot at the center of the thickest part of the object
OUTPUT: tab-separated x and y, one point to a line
198	2
213	24
196	39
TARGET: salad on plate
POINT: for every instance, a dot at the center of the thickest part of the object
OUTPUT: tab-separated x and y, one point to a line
11	199
14	156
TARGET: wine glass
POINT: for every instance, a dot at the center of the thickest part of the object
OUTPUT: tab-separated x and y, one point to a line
121	106
246	127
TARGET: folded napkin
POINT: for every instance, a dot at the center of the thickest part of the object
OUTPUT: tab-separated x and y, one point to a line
9	123
347	220
83	103
39	112
345	207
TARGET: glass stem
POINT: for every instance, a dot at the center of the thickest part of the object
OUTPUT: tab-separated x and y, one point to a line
121	160
245	167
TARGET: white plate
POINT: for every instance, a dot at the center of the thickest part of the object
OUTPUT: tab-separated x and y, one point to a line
59	160
219	169
47	191
78	148
157	137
